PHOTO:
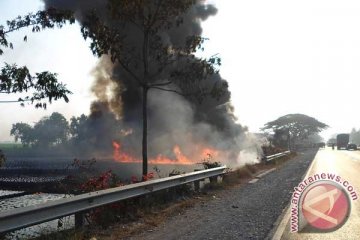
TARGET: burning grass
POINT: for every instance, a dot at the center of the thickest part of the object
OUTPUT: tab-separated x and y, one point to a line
179	158
245	173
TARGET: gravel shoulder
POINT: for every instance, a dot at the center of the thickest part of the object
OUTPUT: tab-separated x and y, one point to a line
241	212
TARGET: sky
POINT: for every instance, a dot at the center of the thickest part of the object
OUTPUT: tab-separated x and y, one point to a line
279	57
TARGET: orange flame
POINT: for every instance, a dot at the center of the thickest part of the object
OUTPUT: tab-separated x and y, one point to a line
180	158
121	156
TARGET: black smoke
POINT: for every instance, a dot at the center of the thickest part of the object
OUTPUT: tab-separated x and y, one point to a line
173	119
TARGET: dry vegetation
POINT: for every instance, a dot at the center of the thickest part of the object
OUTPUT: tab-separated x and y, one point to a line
154	210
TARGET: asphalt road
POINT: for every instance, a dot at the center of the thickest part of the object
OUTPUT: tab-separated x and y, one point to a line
242	212
347	165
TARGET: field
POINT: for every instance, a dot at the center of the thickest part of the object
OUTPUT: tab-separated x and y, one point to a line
9	145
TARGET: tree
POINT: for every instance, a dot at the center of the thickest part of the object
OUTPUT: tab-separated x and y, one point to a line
49	131
280	138
355	136
14	79
315	138
2	158
24	132
52	130
94	132
144	54
79	128
296	126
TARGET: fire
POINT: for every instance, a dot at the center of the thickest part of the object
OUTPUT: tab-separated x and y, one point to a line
210	152
121	156
180	158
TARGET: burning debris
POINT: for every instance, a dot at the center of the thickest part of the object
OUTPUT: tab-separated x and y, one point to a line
182	130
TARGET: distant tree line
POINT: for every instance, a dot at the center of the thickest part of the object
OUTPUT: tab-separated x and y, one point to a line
355	136
76	136
49	131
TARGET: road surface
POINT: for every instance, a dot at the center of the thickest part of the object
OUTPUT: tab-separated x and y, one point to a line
347	165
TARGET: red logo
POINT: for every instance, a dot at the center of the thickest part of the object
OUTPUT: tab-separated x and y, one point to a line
325	206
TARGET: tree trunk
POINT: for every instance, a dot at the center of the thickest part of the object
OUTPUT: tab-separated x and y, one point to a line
289	140
144	140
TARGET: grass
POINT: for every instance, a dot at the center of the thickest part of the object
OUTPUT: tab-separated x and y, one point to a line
4	146
154	210
246	172
149	219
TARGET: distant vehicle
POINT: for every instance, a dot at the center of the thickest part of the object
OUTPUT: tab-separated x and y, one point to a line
342	141
351	146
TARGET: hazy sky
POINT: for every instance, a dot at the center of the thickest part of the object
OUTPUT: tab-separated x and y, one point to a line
279	57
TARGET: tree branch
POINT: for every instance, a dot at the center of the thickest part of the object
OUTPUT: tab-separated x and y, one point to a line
15	101
162	68
178	92
17	28
160	84
156	13
131	73
170	90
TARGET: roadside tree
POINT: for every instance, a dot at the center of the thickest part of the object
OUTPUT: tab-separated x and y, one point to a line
152	62
295	127
38	87
355	136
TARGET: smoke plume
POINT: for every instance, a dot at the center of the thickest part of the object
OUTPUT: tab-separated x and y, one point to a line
173	119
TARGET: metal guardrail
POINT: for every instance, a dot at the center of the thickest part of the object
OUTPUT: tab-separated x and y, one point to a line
275	156
23	217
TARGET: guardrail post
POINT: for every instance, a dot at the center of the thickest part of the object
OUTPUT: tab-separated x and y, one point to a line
197	186
213	180
197	183
172	191
79	220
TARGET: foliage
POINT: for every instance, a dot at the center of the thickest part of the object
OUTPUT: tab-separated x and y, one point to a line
355	136
295	126
209	163
82	135
175	172
104	181
49	131
79	128
95	132
272	149
112	212
22	131
152	63
146	177
103	215
52	130
281	138
2	158
14	79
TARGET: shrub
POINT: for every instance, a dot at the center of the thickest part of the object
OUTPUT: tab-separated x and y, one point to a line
209	163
